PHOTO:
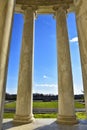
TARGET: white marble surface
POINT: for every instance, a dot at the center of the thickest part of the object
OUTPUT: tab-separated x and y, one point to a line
65	82
6	19
81	20
24	93
44	124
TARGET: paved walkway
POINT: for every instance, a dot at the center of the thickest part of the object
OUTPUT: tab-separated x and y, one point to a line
43	110
44	124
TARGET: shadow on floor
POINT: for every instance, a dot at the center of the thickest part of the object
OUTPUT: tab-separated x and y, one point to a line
10	124
40	125
82	125
83	122
56	126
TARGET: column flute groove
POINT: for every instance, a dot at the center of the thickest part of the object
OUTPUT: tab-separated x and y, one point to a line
6	20
65	85
81	21
24	95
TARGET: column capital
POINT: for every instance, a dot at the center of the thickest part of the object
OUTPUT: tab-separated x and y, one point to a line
77	4
30	8
64	7
59	9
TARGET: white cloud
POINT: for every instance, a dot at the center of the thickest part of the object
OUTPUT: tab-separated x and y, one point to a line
75	39
12	90
78	89
45	77
45	88
46	85
53	88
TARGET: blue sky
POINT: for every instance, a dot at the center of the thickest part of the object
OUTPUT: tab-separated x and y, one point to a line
45	55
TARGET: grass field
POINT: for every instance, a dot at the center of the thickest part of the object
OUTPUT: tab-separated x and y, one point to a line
52	115
40	104
79	115
53	104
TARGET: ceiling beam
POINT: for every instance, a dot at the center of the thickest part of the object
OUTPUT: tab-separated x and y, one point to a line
43	2
44	6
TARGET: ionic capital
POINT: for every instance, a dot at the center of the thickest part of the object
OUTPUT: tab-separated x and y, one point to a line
32	9
64	7
77	4
60	9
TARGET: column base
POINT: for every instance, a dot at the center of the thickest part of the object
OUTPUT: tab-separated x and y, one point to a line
18	119
67	120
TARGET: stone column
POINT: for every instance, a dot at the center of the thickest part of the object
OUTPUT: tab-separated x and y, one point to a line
24	95
81	19
65	85
6	17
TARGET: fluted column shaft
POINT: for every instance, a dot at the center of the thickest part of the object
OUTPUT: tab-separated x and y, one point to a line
65	85
24	95
6	18
81	19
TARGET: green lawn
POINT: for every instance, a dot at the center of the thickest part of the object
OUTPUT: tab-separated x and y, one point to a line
53	104
79	105
36	104
8	115
80	115
51	115
10	105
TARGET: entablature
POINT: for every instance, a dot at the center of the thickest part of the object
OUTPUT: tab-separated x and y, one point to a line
43	6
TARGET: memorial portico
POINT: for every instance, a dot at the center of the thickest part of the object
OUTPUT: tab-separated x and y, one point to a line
30	9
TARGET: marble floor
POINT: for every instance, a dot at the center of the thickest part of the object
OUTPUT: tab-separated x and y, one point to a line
44	124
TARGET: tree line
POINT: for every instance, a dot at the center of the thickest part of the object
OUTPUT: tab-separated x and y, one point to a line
43	97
